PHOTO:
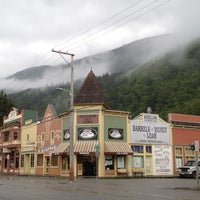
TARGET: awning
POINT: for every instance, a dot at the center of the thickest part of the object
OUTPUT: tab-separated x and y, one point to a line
85	147
61	148
120	148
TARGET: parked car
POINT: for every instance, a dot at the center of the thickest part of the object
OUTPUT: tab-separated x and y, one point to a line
189	169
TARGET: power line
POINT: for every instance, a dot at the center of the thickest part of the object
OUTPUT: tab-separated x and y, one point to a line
100	33
97	25
83	33
109	25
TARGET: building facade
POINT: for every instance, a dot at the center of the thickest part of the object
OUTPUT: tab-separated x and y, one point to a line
28	148
10	139
151	142
106	143
101	135
185	130
48	138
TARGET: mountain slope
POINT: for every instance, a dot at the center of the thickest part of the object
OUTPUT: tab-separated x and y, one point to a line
167	84
122	59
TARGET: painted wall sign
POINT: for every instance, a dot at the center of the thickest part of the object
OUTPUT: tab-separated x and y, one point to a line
162	160
47	148
30	143
66	134
87	133
150	118
114	133
13	115
87	119
150	132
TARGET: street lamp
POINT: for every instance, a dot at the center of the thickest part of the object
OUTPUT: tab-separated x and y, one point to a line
71	92
63	89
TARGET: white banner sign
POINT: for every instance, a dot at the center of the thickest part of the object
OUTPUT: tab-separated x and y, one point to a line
162	160
150	132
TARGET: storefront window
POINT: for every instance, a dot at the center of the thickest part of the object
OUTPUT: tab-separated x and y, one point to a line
39	160
137	162
148	149
137	149
5	163
22	160
109	162
17	163
189	151
11	163
6	136
54	161
148	165
178	162
32	160
178	151
64	163
15	136
120	162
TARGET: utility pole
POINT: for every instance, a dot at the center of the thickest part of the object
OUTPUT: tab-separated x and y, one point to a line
196	145
71	150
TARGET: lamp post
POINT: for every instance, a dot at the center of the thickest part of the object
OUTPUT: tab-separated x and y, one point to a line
71	92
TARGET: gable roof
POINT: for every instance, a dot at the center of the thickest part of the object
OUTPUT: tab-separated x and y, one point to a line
173	117
90	92
50	113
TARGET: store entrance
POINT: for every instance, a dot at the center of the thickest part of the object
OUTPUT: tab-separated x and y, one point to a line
88	163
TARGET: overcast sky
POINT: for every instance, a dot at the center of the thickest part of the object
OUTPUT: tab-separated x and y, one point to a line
29	29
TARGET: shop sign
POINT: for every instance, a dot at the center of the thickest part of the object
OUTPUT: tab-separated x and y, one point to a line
162	160
87	119
150	118
87	133
115	133
30	143
47	148
66	134
150	132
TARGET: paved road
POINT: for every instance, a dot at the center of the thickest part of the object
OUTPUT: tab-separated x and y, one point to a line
34	188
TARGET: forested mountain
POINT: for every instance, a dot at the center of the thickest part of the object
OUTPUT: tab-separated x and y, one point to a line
120	59
167	84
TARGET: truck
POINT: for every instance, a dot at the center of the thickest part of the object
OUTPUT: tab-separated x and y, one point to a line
189	169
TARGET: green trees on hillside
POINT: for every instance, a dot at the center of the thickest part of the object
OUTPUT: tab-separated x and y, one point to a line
5	106
168	84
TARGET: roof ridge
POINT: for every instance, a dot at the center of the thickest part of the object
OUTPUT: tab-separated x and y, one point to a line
90	92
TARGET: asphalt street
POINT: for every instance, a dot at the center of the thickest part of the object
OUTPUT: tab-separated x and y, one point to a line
41	188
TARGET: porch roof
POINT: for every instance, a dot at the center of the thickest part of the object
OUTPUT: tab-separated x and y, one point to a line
62	148
120	148
85	147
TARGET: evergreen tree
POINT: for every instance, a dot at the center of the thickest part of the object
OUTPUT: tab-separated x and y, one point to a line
5	106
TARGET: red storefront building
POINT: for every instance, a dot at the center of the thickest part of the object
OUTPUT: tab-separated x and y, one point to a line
48	138
10	139
185	130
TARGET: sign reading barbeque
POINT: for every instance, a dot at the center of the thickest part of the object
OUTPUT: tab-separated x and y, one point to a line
90	133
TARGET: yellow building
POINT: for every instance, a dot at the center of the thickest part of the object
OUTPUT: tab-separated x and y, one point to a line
101	135
151	141
28	148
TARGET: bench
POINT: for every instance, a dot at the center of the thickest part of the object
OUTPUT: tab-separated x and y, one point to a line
138	172
122	172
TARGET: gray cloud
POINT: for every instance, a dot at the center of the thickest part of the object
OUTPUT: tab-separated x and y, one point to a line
29	29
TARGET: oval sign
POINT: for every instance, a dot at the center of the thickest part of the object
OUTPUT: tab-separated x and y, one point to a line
115	133
87	133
